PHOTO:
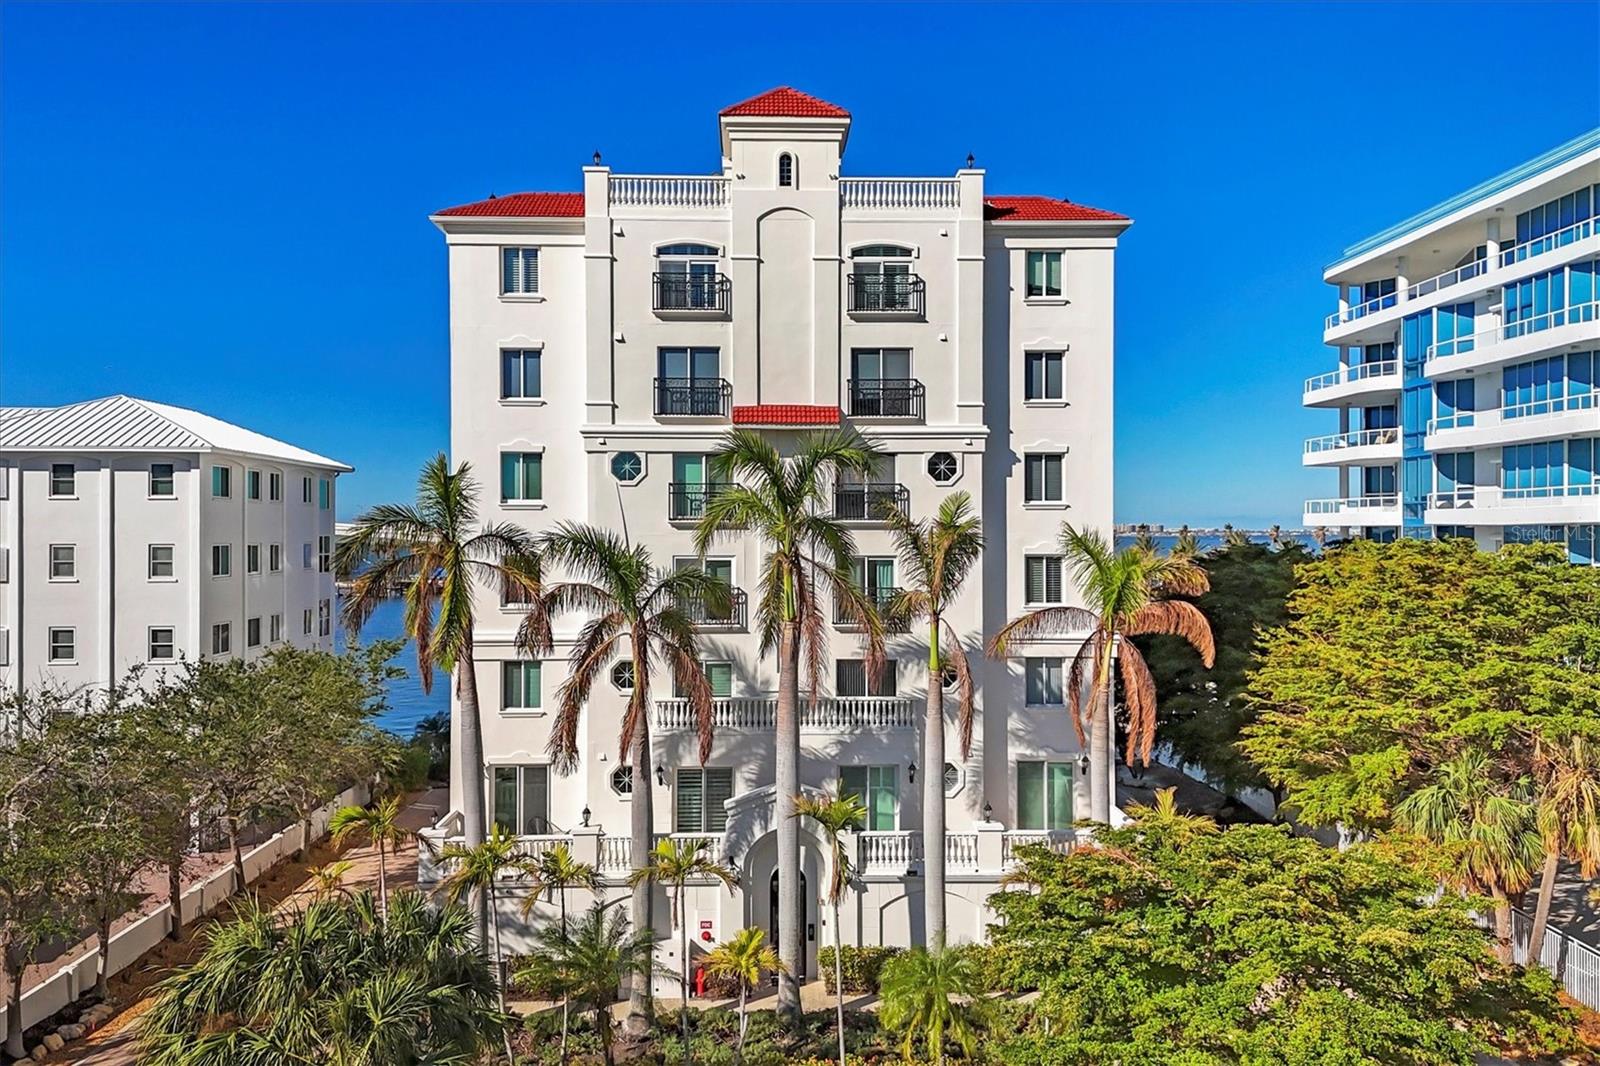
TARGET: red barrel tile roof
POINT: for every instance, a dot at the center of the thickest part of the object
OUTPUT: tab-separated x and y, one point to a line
524	205
1043	209
786	103
785	414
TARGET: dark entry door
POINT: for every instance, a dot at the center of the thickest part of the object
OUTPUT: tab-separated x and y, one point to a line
772	933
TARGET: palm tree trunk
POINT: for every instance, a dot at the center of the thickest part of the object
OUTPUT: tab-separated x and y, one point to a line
238	854
1502	925
838	979
933	822
738	1053
602	1025
683	973
499	967
641	1009
175	895
1541	912
383	885
787	780
474	817
565	998
1100	757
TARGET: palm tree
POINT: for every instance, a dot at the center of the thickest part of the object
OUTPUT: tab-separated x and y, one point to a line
1165	818
647	614
1568	818
783	503
475	870
936	555
553	873
676	862
932	994
1122	592
1486	824
1187	545
436	557
744	957
327	880
380	824
589	962
837	815
330	984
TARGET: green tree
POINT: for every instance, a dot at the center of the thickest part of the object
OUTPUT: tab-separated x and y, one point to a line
835	816
675	862
647	614
437	558
552	874
782	502
1203	711
475	871
380	824
1250	945
1567	783
933	995
333	984
745	957
1125	595
588	963
936	555
432	734
1398	657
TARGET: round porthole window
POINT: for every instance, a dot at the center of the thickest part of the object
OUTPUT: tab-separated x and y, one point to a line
627	467
622	675
942	467
622	780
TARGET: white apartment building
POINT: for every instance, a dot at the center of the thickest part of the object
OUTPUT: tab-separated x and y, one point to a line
136	532
1467	339
603	341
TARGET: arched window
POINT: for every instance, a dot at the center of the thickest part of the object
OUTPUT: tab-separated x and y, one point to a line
786	169
686	277
881	278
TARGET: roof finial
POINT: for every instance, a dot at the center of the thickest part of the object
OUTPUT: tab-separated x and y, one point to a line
970	160
597	157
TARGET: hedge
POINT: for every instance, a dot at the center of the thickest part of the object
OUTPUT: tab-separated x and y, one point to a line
861	967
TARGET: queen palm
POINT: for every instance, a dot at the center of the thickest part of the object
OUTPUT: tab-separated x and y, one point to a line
1122	592
676	862
744	957
835	816
782	501
640	615
588	962
936	555
932	994
380	824
1567	773
475	871
1486	824
436	557
552	873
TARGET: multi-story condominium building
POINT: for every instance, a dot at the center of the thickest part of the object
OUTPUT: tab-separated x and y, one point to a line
1468	338
134	532
602	343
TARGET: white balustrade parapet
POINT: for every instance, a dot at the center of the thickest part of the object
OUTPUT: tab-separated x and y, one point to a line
900	194
666	190
828	714
1057	840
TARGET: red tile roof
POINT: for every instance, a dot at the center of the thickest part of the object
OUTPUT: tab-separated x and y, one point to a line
785	414
1043	209
787	103
524	205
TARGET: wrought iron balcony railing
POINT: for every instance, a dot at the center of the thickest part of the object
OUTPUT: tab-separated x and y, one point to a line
736	616
882	599
698	397
887	294
887	398
677	291
869	503
687	502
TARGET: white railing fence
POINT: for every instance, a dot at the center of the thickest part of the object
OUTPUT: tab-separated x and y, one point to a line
1575	964
1061	840
1540	245
1356	438
1360	372
1566	316
900	194
827	714
663	190
1359	504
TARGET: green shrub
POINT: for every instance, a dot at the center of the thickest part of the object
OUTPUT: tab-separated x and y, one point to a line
861	967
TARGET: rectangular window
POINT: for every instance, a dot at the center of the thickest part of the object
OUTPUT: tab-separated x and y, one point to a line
522	799
700	797
519	374
520	688
876	789
63	645
1043	378
305	622
1043	682
305	490
519	270
252	484
252	632
1042	479
1044	274
275	487
305	555
719	674
1044	795
324	554
161	561
325	618
324	494
221	482
850	679
221	638
163	645
63	479
252	558
162	482
274	557
1041	579
521	476
221	560
275	628
63	562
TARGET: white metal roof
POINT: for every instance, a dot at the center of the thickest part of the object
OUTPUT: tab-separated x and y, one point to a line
128	424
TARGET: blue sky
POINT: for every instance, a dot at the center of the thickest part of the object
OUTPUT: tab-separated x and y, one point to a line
225	207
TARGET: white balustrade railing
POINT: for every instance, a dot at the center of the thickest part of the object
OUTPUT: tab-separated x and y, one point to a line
1360	372
900	194
1549	242
1532	411
1352	505
893	850
1058	840
961	851
1356	438
616	853
665	190
829	714
1566	316
532	847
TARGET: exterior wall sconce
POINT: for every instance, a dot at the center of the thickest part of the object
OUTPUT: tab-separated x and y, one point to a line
585	816
911	773
1083	764
988	812
661	775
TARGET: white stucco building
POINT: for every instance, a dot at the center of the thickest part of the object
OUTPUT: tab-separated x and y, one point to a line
1467	340
137	532
603	340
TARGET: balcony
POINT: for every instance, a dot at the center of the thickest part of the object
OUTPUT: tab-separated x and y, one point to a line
1559	416
692	397
896	851
1356	447
691	295
869	503
887	398
1510	342
1491	505
827	714
895	195
687	502
1349	383
886	295
695	192
736	616
1356	511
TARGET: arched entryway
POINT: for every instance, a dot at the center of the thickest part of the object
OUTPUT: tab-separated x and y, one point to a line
772	916
761	873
